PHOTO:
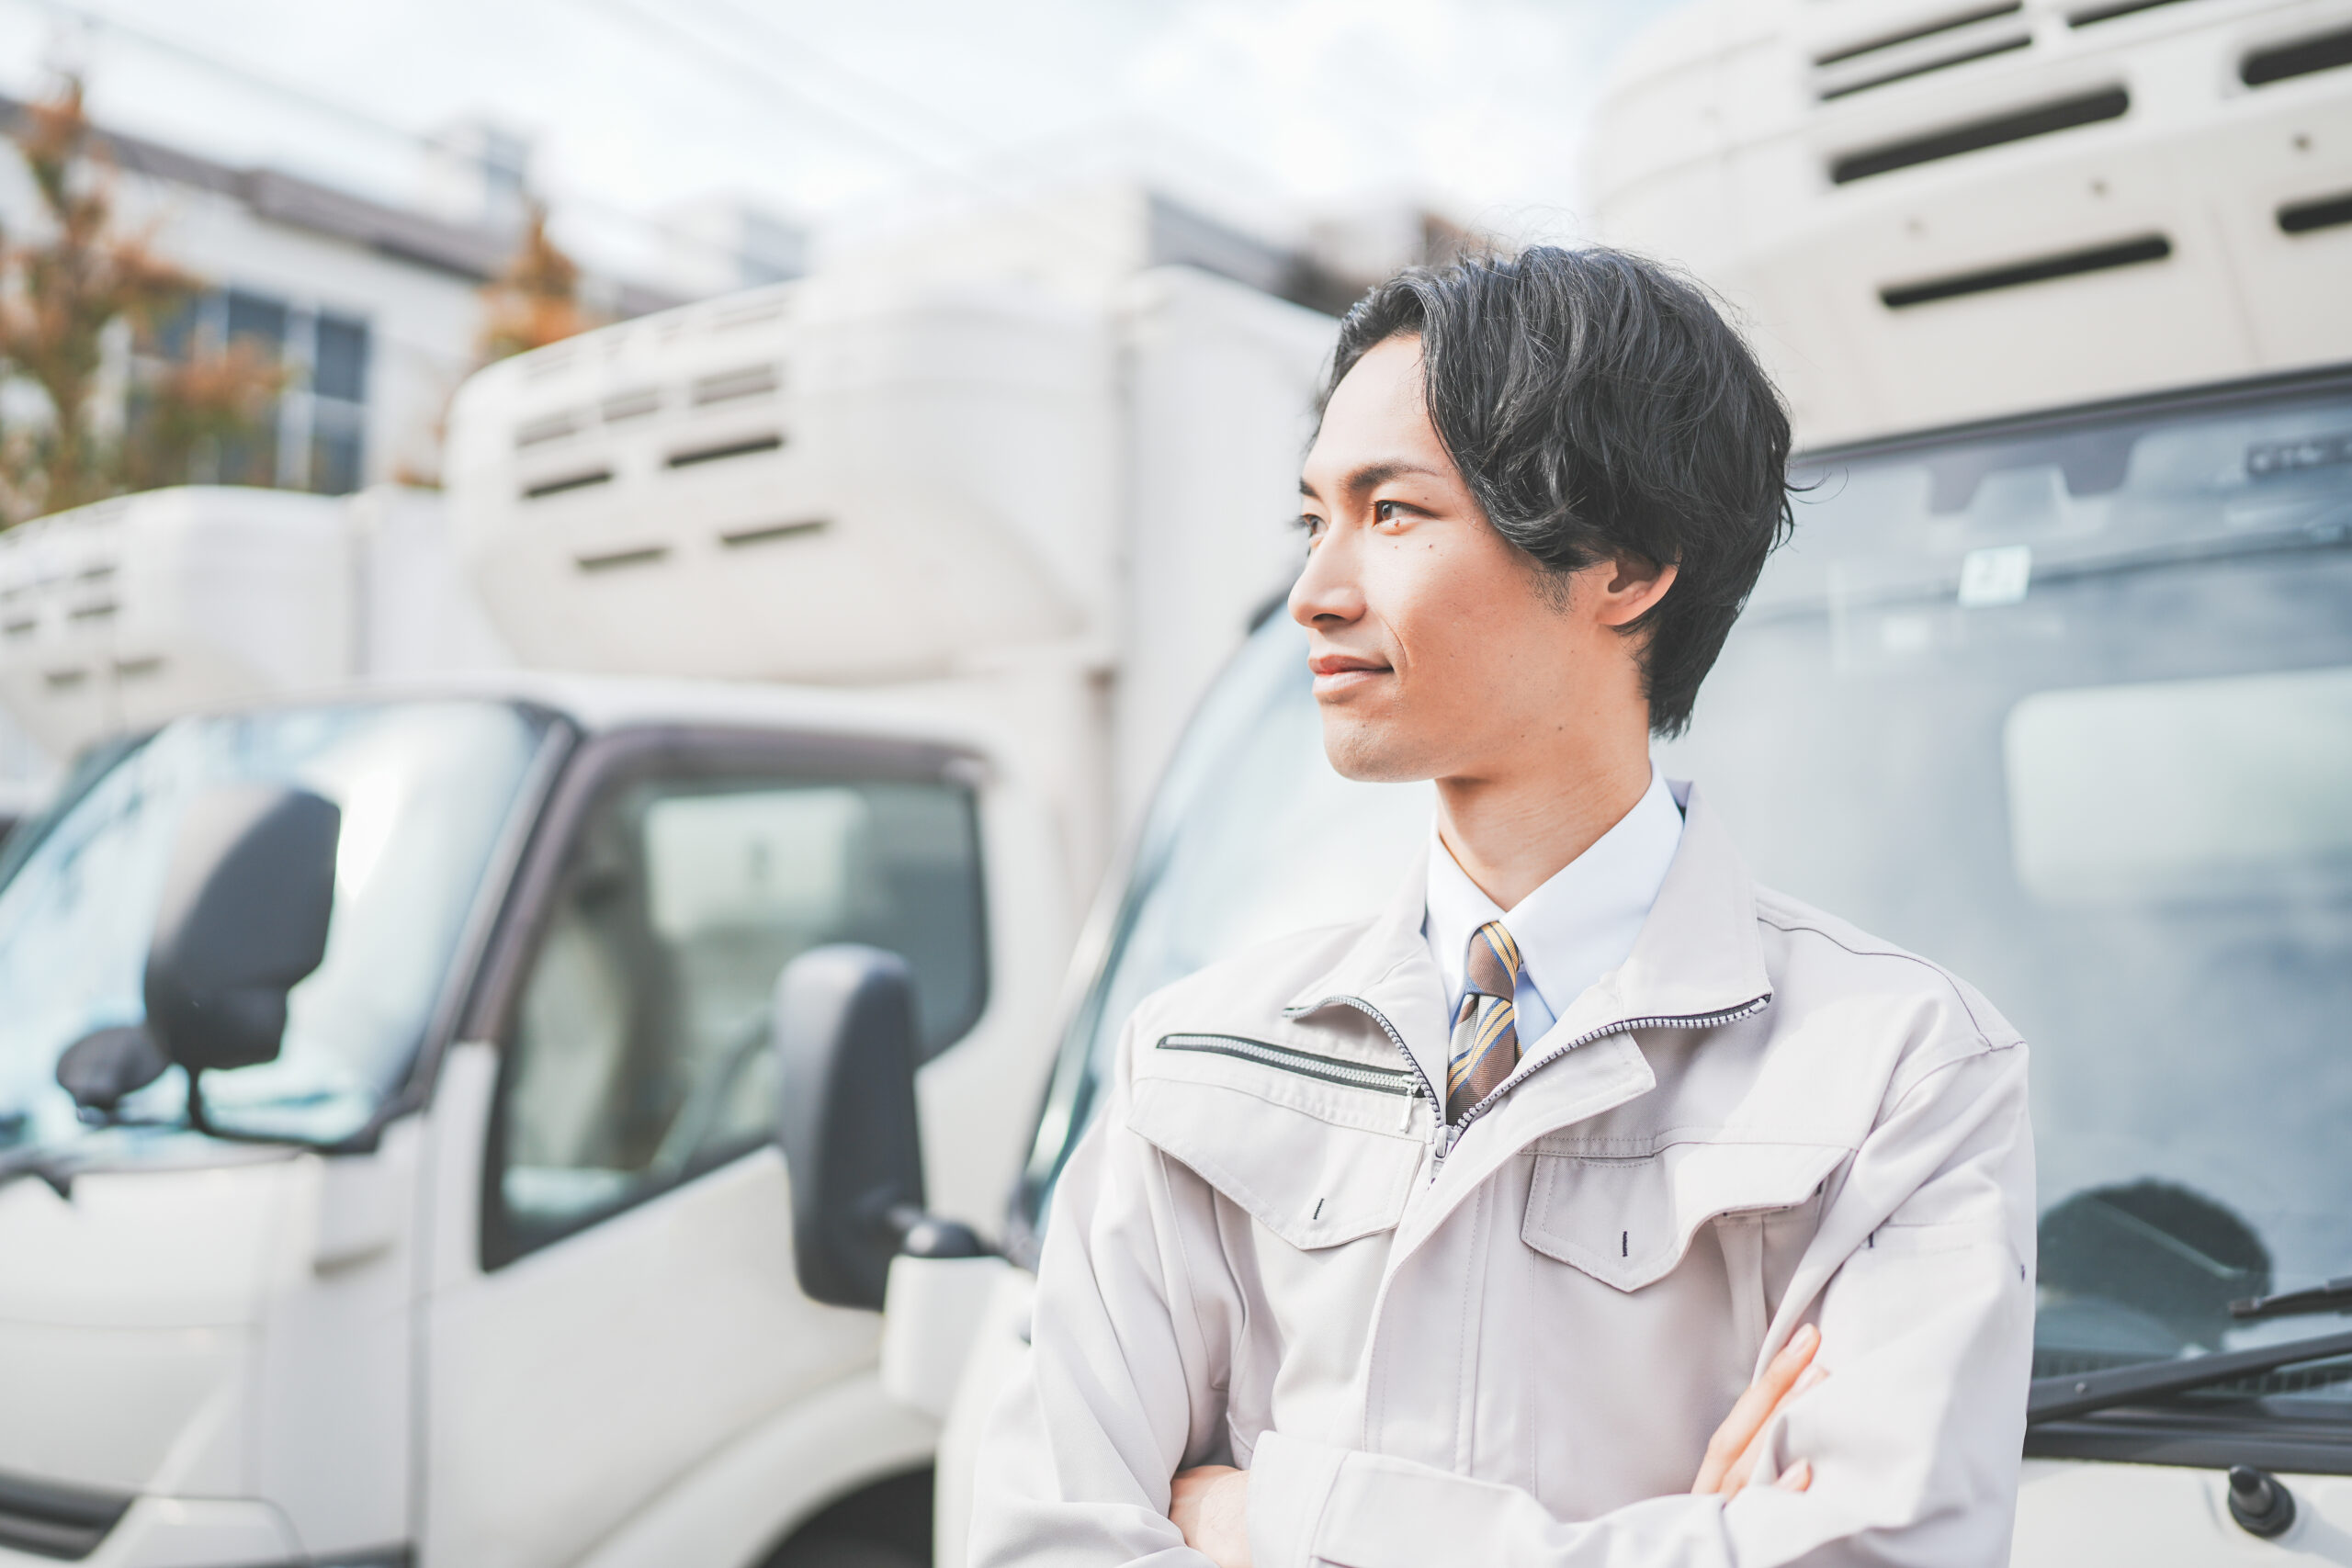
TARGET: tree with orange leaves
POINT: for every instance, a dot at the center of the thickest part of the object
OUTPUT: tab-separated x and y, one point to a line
60	294
536	300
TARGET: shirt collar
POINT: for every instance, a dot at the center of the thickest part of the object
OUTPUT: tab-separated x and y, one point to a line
1583	920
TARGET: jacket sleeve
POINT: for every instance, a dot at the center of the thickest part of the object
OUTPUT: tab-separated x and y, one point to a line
1920	1279
1123	1383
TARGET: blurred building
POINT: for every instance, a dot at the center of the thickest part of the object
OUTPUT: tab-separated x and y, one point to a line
371	309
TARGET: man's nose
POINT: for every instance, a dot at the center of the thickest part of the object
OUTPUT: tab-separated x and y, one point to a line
1328	590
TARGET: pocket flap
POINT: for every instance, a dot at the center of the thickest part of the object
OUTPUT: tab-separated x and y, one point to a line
1311	1181
1627	1222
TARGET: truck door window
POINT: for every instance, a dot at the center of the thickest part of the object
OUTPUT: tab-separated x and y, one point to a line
639	1052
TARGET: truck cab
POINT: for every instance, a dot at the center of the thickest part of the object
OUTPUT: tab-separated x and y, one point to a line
491	1262
2050	685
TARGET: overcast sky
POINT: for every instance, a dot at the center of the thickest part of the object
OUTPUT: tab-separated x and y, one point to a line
840	112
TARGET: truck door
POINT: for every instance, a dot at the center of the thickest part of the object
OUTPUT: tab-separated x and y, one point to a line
631	1305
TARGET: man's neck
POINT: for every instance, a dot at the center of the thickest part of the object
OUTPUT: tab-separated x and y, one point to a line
1512	831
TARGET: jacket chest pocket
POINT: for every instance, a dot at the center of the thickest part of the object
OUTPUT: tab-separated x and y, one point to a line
1318	1150
1628	1221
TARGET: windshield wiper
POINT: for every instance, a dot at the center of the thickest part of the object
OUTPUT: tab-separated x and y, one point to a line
2079	1393
2334	1296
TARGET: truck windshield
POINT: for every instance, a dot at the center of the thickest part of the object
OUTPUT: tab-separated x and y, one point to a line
425	788
2065	706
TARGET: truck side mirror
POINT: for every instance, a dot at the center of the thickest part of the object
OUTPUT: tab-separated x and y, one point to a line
845	1035
243	920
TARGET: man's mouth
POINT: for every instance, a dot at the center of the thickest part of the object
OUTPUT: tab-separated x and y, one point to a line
1336	674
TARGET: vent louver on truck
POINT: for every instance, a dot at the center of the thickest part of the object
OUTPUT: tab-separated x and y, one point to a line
1872	52
550	427
752	381
545	488
2300	57
1942	62
1974	136
1913	35
750	445
2091	15
768	532
2326	212
2039	270
644	555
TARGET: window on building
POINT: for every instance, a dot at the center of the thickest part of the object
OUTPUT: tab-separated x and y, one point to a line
338	410
314	435
339	362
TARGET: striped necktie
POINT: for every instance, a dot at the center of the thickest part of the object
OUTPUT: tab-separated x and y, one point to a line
1485	1029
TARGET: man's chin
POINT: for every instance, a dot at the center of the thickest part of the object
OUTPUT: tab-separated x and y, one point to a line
1371	753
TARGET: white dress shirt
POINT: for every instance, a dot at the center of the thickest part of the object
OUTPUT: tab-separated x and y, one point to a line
1573	928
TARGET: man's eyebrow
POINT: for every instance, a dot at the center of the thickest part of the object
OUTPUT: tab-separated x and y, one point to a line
1372	476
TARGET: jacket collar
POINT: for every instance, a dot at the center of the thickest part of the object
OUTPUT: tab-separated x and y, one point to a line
1698	955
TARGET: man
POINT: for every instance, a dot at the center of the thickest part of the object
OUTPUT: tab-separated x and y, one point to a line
1451	1237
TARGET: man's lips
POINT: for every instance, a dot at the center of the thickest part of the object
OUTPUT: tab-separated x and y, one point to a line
1338	672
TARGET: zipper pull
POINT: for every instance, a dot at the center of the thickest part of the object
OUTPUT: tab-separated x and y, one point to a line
1446	1134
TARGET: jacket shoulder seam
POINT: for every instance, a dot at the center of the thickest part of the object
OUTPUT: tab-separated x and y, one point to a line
1976	1024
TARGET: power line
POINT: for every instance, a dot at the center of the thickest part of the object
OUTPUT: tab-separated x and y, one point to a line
764	81
287	92
827	68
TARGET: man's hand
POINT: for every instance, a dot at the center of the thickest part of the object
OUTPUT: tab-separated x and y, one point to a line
1211	1505
1732	1452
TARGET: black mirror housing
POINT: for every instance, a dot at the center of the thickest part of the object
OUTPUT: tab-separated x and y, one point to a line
243	919
845	1038
105	1065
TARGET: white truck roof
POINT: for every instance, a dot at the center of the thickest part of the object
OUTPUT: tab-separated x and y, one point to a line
116	614
829	480
124	613
1939	210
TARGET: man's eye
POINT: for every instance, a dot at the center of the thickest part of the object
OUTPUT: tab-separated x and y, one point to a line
1310	525
1388	512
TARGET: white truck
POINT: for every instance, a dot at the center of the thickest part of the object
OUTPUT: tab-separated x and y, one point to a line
390	1122
2054	684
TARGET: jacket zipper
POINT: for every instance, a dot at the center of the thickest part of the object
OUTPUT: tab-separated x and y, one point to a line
1448	1134
1305	1064
1421	1088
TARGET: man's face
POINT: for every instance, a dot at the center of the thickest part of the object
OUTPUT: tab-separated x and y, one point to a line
1440	650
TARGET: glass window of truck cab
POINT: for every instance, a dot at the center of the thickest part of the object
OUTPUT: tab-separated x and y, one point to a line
637	1044
2064	704
428	791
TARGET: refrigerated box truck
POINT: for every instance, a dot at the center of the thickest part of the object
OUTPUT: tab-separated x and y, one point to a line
393	1161
2054	684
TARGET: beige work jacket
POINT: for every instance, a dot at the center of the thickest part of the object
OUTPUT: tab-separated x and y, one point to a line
1512	1350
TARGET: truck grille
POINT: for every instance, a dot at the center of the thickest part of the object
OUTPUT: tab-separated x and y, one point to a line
53	1520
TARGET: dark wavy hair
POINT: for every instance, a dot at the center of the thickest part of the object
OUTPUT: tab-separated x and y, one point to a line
1599	406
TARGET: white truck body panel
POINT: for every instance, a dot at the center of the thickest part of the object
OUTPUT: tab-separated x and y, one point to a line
1058	517
125	613
1877	295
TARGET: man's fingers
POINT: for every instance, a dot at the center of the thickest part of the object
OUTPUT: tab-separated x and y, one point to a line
1733	1438
1744	1468
1797	1477
1186	1491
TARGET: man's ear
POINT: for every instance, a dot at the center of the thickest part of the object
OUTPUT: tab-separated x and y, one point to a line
1629	588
